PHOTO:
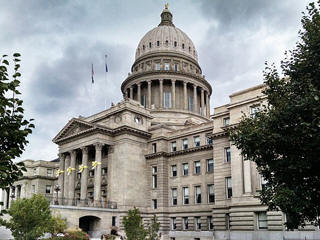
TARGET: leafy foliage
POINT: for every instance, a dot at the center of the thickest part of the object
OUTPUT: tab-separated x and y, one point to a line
30	218
284	138
133	225
14	128
58	225
75	234
153	229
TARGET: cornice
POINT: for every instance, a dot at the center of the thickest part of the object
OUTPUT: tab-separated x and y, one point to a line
181	152
37	177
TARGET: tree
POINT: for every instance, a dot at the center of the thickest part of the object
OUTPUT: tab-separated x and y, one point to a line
283	139
133	225
57	225
29	218
14	128
153	229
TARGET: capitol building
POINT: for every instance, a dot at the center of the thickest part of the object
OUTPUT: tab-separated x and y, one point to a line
161	149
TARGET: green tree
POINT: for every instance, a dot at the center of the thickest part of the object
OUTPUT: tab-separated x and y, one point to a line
14	128
29	218
133	225
284	137
153	229
57	225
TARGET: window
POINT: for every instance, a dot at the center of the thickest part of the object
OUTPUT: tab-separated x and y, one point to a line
78	175
196	141
189	49
190	103
150	45
198	223
263	182
226	121
262	220
174	170
48	189
114	221
91	173
154	147
185	169
174	146
154	203
229	187
174	196
185	144
158	43
50	172
157	66
103	193
227	221
176	67
197	167
173	223
182	45
197	191
167	66
34	171
154	177
210	224
138	120
227	154
143	100
143	47
104	171
33	188
211	193
172	238
167	99
254	110
185	223
210	165
185	195
175	43
209	140
167	43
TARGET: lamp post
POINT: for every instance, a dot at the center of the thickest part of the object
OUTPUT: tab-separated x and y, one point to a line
57	189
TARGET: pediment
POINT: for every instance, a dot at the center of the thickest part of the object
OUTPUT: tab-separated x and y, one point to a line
74	127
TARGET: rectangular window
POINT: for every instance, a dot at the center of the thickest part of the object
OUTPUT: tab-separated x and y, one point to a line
157	66
167	66
154	177
190	103
229	187
254	110
167	99
174	146
185	195
226	121
209	140
211	193
196	141
185	223
114	221
210	165
198	223
227	221
185	144
197	167
176	67
174	196
78	175
185	169
91	173
104	171
197	191
227	154
210	223
174	170
154	203
173	223
143	100
50	172
154	147
263	182
262	220
48	189
33	188
34	171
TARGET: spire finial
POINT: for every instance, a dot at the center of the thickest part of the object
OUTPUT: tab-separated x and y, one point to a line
166	16
166	6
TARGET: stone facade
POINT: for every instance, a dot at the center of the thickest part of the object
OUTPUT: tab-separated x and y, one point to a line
160	150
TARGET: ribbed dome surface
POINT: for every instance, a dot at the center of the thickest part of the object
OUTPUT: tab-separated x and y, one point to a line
166	37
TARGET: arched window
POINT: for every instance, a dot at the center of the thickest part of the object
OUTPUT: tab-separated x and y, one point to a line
167	43
158	43
150	44
182	45
189	49
143	47
175	43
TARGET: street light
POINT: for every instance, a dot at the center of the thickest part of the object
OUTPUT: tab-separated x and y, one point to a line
57	189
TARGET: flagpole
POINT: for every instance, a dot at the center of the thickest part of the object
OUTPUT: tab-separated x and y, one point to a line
106	91
92	89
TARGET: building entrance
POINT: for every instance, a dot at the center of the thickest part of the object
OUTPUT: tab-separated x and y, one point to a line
89	224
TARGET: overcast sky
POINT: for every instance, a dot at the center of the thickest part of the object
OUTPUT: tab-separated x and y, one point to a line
59	39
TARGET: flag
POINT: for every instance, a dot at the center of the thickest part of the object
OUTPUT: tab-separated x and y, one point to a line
92	73
106	63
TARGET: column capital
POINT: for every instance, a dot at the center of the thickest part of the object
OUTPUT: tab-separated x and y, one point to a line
202	90
61	156
185	83
149	81
72	152
131	87
195	86
161	80
139	84
173	80
98	146
84	150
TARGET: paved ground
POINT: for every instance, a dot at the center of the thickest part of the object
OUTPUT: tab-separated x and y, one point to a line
5	234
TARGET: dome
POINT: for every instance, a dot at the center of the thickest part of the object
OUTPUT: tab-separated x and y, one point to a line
166	37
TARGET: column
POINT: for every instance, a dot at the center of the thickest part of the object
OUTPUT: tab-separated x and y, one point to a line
247	176
139	92
2	191
72	177
61	178
149	93
131	92
195	99
208	104
97	176
84	176
202	101
173	81
185	96
161	92
66	180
